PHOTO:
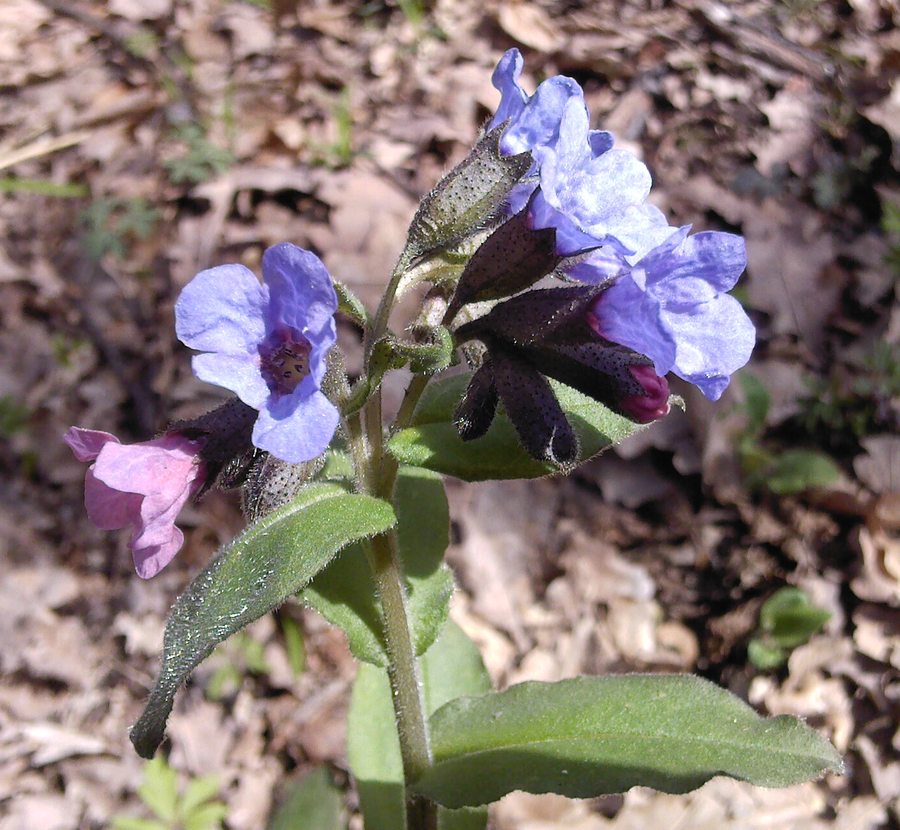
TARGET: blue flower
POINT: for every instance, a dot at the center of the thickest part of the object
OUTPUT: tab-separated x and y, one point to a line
594	199
592	194
268	343
672	307
534	121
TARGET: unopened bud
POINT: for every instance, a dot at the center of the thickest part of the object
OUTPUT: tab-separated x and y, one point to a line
654	402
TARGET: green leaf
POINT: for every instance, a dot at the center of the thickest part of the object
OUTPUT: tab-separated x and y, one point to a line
312	803
338	466
294	645
790	619
451	667
350	304
199	790
797	470
596	735
467	197
373	751
127	823
344	592
206	817
159	789
764	656
271	560
432	440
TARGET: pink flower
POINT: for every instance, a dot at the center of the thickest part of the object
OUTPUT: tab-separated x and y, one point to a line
142	486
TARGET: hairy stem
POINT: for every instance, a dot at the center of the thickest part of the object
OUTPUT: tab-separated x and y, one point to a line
409	705
377	476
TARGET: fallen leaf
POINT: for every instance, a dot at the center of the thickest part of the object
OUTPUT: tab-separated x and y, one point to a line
530	25
788	253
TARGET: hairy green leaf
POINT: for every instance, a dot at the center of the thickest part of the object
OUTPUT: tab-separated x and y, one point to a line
432	441
270	561
344	592
451	667
595	735
351	305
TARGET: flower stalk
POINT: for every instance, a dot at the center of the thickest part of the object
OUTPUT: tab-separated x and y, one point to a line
378	477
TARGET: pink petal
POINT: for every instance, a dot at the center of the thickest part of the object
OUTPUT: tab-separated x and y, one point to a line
157	467
149	561
159	511
87	443
109	509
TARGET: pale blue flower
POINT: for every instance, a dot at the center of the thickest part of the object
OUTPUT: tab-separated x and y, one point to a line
672	307
268	343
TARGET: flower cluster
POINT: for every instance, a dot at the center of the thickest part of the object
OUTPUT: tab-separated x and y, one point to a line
268	343
666	296
657	302
640	299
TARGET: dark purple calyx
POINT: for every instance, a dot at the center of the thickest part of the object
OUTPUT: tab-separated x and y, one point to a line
284	360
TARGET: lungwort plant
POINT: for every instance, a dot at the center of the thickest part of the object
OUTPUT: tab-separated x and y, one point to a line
557	300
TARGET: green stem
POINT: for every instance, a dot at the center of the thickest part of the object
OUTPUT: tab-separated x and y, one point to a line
378	476
380	323
359	450
403	670
378	473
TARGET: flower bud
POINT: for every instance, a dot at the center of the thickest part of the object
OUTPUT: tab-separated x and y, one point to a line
653	403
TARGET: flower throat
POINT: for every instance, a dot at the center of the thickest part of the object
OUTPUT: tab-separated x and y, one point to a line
284	357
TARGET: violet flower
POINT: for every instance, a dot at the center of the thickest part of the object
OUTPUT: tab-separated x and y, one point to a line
142	486
592	194
268	343
671	307
533	120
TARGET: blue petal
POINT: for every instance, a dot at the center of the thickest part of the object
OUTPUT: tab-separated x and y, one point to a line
599	199
296	431
570	239
627	315
539	122
303	296
600	141
716	258
713	341
506	81
598	267
239	373
221	310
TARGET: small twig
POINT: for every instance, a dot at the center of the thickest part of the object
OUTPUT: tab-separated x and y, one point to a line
42	147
